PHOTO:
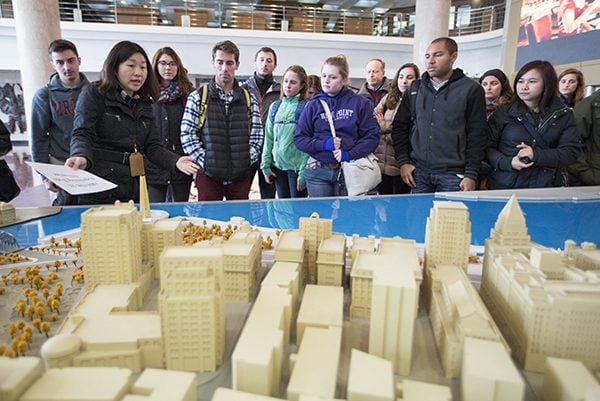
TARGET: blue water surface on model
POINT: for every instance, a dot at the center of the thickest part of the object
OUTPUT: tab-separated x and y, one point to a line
549	223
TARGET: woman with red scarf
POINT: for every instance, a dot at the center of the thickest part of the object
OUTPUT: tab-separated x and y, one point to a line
175	86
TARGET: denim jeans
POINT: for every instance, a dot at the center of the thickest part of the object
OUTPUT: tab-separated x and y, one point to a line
428	182
323	182
286	184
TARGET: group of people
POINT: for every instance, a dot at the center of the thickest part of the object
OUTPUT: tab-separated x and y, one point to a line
439	131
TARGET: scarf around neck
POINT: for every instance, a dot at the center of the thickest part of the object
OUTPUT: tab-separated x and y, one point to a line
170	93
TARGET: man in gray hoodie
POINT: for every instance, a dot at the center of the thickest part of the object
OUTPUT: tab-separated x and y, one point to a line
53	111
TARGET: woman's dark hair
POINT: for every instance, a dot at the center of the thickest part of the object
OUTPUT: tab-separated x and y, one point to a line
579	93
506	92
314	81
394	95
301	72
549	78
120	53
181	77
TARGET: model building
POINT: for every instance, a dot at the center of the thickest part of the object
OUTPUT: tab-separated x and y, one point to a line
447	240
314	230
488	373
568	380
191	306
457	313
111	244
7	214
544	303
24	379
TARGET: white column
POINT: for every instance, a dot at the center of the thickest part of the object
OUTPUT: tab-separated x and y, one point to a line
431	22
37	23
510	36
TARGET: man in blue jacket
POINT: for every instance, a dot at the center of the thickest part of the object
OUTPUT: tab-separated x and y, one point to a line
440	129
53	111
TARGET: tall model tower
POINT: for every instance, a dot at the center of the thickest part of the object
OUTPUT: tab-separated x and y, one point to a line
447	235
111	244
510	228
191	307
314	230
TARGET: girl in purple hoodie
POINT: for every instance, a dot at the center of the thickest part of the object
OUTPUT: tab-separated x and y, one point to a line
356	130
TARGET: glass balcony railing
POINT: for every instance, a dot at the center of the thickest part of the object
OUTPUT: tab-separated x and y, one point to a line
464	20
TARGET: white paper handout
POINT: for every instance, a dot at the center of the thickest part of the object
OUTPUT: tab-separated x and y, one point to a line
75	182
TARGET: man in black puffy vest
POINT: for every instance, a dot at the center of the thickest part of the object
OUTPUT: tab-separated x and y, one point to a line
223	131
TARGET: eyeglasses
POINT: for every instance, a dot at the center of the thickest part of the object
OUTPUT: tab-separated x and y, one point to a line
163	63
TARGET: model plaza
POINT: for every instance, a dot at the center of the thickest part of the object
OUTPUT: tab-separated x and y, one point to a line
285	325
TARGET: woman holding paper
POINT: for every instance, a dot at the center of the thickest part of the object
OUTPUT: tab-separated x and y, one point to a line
114	126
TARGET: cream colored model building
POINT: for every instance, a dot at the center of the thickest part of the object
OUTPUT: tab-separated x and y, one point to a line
448	235
27	381
7	213
544	303
447	240
331	260
488	373
285	275
242	258
110	332
322	306
410	390
111	244
290	248
370	378
314	230
394	305
314	368
257	360
568	380
191	306
392	252
159	234
362	244
456	313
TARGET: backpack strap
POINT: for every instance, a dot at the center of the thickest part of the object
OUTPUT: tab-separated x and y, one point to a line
274	109
203	105
203	96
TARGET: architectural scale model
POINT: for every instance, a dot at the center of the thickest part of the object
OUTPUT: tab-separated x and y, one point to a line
107	331
370	378
568	380
7	214
367	258
447	239
322	306
331	260
314	230
546	304
488	373
448	235
291	248
191	307
112	244
314	368
456	313
158	235
24	379
257	360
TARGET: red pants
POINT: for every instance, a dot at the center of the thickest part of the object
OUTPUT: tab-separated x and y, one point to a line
214	190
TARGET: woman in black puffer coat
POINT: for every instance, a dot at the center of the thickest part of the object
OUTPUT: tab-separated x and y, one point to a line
533	138
113	120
